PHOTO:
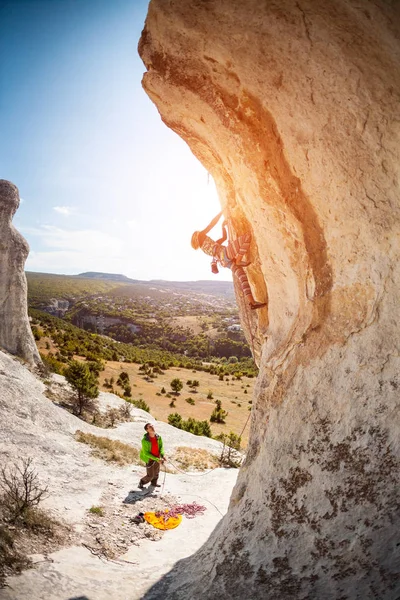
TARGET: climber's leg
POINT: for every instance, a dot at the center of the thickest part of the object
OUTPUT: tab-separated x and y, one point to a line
245	287
236	249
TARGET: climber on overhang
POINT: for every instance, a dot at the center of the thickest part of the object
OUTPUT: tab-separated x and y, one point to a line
230	256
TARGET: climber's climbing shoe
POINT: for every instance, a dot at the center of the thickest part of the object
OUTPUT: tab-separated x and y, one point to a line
257	305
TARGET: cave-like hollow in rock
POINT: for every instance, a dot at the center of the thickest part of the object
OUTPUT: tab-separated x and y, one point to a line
293	107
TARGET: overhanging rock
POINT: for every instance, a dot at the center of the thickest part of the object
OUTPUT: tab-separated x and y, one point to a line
293	108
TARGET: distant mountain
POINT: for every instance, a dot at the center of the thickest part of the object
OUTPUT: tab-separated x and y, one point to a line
206	286
108	276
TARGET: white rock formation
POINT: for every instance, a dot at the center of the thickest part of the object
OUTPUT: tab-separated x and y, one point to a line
294	109
15	332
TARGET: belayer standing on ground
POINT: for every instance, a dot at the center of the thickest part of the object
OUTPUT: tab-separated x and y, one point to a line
230	256
152	453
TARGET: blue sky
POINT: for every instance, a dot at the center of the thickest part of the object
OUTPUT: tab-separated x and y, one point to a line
106	186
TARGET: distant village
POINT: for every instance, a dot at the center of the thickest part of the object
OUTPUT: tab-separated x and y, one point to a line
98	312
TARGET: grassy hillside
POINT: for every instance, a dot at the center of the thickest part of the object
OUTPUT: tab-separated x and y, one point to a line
43	286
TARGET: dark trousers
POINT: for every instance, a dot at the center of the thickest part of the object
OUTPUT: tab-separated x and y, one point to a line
152	472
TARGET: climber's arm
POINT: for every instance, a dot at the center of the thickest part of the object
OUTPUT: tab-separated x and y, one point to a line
224	234
212	224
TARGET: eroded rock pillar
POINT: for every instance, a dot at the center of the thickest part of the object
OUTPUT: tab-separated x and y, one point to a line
15	332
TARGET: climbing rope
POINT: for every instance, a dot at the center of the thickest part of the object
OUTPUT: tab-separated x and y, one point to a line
190	511
190	474
245	425
195	495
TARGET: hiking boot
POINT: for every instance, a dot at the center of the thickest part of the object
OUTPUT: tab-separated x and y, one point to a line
156	485
141	486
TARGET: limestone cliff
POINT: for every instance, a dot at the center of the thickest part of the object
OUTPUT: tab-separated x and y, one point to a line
294	109
15	332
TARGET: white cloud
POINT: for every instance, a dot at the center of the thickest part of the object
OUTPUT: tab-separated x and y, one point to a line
72	251
65	210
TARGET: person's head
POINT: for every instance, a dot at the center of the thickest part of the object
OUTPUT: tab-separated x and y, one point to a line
195	240
150	429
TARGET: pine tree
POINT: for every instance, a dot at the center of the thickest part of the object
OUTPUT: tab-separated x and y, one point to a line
84	383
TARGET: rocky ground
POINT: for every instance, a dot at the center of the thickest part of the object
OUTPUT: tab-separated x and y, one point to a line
107	556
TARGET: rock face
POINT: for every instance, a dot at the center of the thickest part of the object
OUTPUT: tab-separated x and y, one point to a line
15	332
294	109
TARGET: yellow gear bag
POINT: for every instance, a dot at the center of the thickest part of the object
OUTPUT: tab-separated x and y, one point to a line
162	522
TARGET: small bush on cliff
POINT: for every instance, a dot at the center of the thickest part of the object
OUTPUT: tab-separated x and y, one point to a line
20	494
139	404
231	443
84	383
21	490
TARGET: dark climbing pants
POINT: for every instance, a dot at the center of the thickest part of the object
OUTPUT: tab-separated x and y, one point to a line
152	472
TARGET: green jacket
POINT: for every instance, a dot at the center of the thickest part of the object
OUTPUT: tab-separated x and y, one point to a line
145	453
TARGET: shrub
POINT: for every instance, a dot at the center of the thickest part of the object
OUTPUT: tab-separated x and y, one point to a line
21	489
51	363
95	366
123	379
190	401
113	416
210	395
128	391
96	510
191	425
140	404
125	412
176	385
172	403
36	333
218	415
231	442
163	390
